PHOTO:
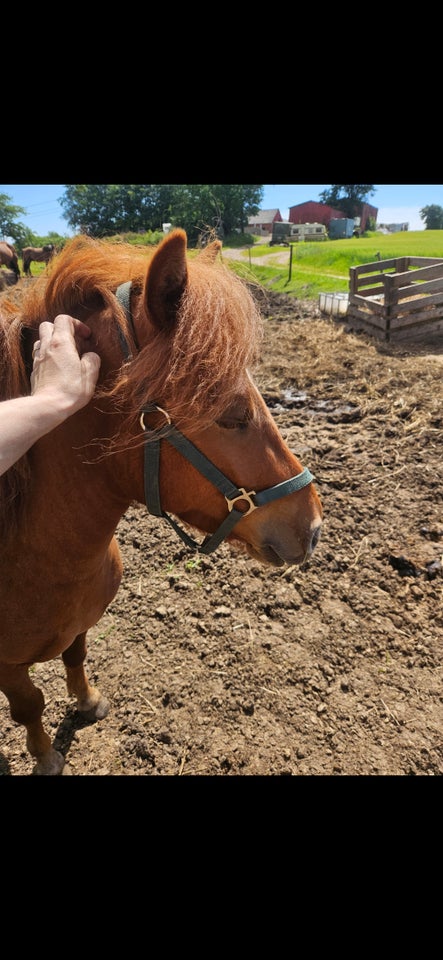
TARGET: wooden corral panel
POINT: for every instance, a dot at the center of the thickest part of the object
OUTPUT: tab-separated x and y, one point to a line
399	299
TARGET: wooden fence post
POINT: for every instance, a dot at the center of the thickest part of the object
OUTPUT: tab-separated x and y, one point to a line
291	245
391	300
352	280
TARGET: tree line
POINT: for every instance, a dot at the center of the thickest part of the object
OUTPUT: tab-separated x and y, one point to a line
103	210
203	210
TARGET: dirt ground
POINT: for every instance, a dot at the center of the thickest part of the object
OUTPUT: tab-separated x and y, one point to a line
221	667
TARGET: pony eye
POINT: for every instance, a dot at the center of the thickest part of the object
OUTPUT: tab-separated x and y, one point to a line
232	424
235	420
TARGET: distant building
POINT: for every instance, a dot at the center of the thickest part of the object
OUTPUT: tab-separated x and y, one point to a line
311	212
393	227
262	222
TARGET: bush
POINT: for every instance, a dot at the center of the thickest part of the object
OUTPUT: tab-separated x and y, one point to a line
239	240
149	238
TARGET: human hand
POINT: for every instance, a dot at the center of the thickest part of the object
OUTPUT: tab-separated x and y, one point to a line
64	370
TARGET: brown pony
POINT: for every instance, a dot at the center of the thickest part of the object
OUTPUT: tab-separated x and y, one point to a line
8	257
39	254
176	423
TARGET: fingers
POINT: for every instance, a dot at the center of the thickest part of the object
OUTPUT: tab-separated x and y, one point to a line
63	323
63	329
68	329
90	365
46	330
80	328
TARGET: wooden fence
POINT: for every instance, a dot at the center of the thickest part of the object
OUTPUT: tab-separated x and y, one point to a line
393	302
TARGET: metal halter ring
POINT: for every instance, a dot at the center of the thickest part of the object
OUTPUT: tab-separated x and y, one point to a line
160	409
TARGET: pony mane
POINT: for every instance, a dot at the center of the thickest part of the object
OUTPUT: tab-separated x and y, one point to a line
85	273
194	374
13	383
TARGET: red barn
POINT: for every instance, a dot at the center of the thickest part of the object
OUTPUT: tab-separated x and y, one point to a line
365	213
313	212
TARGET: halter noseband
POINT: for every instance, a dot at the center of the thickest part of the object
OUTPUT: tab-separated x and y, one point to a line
184	446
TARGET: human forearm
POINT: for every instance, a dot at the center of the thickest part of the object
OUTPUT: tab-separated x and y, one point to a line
24	420
63	380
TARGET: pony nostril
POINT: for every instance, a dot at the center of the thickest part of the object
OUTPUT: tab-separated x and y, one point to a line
315	537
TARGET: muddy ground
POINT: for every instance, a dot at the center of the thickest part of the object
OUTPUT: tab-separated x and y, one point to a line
220	667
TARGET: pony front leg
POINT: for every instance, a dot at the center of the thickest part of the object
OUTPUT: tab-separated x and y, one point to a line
26	704
89	700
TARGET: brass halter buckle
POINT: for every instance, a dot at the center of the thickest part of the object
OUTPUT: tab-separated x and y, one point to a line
242	496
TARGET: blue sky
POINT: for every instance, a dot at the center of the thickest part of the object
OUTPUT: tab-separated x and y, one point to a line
396	202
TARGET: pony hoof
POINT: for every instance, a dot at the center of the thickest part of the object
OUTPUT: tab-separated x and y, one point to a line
102	708
51	765
98	711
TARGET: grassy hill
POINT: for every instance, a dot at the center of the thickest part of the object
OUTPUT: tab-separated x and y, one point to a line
323	267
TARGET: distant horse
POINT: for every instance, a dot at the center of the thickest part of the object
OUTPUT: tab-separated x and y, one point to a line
39	254
176	423
7	279
8	257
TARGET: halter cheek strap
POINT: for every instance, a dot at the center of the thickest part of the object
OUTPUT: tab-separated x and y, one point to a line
123	294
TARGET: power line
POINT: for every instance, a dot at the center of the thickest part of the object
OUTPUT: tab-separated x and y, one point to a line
41	203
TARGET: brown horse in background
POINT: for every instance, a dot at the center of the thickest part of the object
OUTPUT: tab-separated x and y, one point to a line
176	423
39	254
7	279
9	258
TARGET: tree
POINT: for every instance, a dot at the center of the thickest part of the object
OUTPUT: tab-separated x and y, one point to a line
240	201
15	232
10	226
432	216
105	209
195	209
347	197
220	208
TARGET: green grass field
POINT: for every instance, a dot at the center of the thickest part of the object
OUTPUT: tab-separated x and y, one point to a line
323	267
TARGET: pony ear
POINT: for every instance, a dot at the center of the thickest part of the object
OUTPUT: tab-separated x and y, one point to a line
166	280
210	252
